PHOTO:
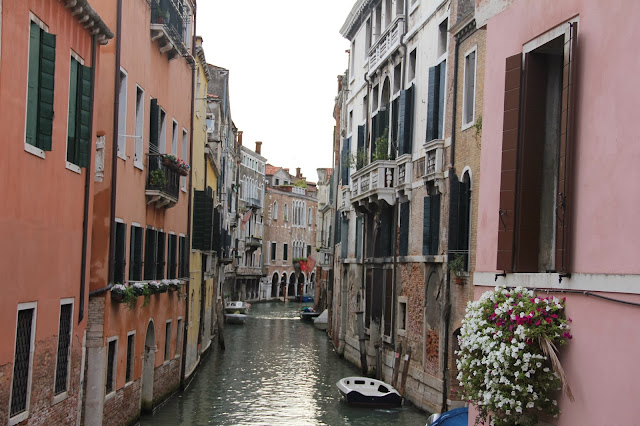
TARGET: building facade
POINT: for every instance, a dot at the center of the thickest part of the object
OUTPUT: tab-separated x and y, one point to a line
290	224
540	210
324	224
141	210
49	62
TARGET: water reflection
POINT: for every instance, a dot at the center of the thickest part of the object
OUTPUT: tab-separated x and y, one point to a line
275	370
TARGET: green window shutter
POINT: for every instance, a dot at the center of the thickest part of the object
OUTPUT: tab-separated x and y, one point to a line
208	222
454	212
197	242
154	128
404	229
426	224
73	103
83	119
344	238
45	89
435	224
32	84
358	237
432	97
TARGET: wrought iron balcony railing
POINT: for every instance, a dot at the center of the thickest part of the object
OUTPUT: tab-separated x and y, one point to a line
168	24
163	183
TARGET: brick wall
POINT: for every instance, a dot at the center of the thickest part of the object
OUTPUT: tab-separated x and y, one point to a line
124	407
166	380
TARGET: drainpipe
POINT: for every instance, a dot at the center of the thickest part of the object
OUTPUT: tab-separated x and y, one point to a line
87	186
188	254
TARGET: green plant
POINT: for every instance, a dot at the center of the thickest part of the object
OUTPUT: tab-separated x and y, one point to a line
381	146
478	126
299	259
157	178
508	365
301	183
457	264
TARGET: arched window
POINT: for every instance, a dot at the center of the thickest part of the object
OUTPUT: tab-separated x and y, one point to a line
275	210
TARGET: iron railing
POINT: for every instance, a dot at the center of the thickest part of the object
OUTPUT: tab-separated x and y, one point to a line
170	13
171	184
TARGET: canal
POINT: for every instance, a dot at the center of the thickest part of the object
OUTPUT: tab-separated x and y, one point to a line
275	370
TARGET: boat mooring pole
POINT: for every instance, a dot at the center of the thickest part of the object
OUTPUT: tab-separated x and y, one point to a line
363	339
405	369
396	364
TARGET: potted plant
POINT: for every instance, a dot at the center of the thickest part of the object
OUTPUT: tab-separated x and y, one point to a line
457	266
381	145
154	287
507	362
138	289
118	292
157	178
174	284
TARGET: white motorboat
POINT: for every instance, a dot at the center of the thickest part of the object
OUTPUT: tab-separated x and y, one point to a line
235	318
367	392
237	306
321	320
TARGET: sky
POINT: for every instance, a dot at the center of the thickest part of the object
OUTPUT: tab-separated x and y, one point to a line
283	57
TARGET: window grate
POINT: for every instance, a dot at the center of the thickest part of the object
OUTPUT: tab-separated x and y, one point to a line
64	341
110	366
21	362
130	351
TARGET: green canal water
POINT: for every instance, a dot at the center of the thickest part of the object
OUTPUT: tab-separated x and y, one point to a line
276	370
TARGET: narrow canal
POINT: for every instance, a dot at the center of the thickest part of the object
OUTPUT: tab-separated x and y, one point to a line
275	370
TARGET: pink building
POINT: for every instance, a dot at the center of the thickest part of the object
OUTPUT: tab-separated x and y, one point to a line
558	197
48	63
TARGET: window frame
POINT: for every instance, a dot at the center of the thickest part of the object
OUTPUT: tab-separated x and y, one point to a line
467	124
114	371
185	144
19	417
138	153
69	165
168	332
130	360
64	395
122	114
179	334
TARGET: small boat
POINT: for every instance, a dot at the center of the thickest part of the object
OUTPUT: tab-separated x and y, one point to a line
307	313
455	417
235	318
321	320
237	306
306	298
363	391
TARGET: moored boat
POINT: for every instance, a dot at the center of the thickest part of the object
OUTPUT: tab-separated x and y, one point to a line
363	391
320	322
307	313
235	318
237	306
455	417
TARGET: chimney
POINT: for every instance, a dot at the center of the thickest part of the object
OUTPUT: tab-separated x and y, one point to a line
258	147
286	170
298	175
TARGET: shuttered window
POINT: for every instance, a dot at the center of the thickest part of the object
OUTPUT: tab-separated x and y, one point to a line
344	238
64	345
358	238
405	122
536	172
435	101
112	359
172	257
120	256
431	225
160	259
404	229
150	247
41	78
360	153
135	254
346	160
22	362
183	252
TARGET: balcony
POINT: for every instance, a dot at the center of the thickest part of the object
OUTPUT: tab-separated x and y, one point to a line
386	44
253	203
168	27
403	184
163	184
345	204
374	183
434	160
251	243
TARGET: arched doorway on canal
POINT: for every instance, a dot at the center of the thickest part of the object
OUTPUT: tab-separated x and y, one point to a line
301	280
148	365
274	285
291	291
283	284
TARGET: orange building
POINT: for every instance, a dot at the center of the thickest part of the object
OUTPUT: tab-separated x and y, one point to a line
141	210
49	58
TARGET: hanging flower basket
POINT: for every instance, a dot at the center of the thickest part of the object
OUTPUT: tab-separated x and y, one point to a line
508	365
118	292
184	172
154	287
138	289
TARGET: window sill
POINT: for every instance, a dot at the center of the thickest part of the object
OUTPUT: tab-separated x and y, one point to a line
18	418
138	165
414	7
129	383
402	333
73	167
122	156
34	150
110	395
59	398
467	125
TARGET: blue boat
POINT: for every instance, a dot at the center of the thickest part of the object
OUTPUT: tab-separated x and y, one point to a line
455	417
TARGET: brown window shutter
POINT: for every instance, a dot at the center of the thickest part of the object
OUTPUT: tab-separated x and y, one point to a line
564	200
510	128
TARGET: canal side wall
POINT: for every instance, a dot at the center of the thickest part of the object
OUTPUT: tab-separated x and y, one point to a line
166	380
123	407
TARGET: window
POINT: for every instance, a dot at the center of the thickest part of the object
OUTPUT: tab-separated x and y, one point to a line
23	362
131	350
41	77
308	251
352	55
162	142
402	316
64	347
120	255
135	253
179	337
150	248
273	251
174	138
172	257
397	72
160	256
122	115
367	42
78	137
167	341
378	299
435	101
536	189
286	213
469	90
211	122
387	14
112	359
183	252
186	35
310	218
431	225
137	155
442	37
284	251
412	65
460	218
185	145
404	229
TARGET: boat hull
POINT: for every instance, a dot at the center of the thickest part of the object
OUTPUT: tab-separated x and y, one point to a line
235	318
366	392
308	316
357	399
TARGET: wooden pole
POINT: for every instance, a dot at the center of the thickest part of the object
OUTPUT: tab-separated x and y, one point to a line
396	364
405	369
220	315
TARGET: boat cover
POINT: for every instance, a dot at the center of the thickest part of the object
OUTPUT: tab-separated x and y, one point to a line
455	417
